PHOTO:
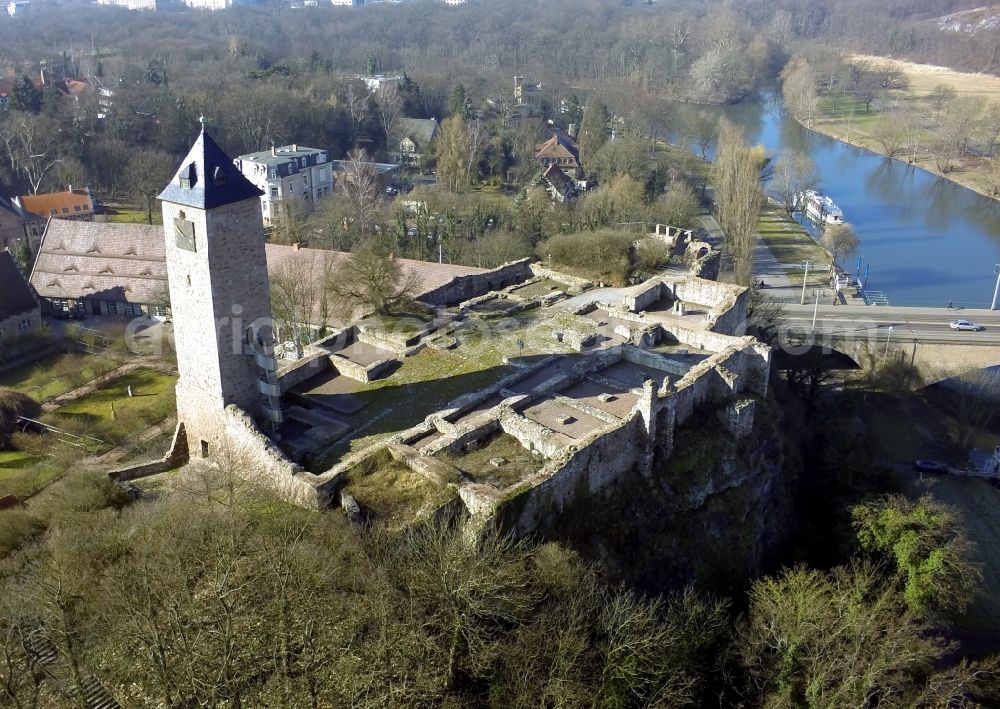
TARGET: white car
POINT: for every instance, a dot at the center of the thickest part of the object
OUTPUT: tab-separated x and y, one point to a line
966	325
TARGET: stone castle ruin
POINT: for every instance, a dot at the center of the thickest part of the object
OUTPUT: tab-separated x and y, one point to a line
569	387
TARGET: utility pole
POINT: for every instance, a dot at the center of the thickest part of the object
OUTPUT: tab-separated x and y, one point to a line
996	290
815	309
887	338
805	277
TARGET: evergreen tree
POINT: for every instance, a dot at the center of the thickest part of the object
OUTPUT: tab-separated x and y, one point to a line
25	96
458	102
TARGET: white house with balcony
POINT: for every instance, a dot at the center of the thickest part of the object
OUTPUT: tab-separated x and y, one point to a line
289	175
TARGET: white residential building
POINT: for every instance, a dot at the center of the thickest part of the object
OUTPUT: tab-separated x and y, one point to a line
376	82
131	4
18	7
347	3
288	175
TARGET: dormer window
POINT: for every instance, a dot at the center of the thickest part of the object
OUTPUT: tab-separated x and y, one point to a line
219	176
188	177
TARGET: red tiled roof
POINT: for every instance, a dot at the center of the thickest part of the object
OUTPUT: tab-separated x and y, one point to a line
319	262
58	204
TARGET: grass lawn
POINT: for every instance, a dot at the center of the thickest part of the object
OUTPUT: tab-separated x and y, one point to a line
425	383
110	414
792	245
845	118
393	492
14	460
56	375
26	481
520	461
133	216
924	77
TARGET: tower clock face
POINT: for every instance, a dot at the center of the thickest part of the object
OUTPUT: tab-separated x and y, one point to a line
184	234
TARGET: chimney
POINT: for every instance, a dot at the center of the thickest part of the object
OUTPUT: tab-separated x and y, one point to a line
295	147
296	246
41	74
274	150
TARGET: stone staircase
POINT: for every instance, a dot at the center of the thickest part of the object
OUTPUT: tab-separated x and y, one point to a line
46	656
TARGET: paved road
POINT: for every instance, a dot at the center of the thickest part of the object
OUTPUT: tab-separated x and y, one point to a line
924	324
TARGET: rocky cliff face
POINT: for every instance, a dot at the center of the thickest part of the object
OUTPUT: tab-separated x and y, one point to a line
714	513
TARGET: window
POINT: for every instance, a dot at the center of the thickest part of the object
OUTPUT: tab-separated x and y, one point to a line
25	325
76	208
274	193
53	211
65	210
112	307
157	311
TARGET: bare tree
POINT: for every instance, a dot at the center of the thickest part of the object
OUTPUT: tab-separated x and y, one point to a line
956	131
478	139
913	134
390	105
793	173
146	174
356	100
993	175
373	280
972	397
453	152
32	147
362	189
941	97
890	133
738	197
298	295
799	89
840	240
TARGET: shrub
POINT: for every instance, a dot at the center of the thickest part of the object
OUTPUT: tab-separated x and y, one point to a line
599	255
16	526
13	405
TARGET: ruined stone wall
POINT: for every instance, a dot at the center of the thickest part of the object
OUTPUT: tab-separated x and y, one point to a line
702	339
588	468
730	317
303	370
575	283
463	288
253	456
174	458
360	372
702	291
533	436
655	361
644	296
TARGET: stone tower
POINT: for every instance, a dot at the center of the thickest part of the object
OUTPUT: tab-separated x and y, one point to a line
219	296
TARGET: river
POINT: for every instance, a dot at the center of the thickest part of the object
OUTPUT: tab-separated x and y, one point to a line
924	240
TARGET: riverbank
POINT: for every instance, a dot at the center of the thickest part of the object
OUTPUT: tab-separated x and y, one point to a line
847	119
792	247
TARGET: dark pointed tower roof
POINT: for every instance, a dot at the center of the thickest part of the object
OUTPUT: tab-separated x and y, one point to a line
208	178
